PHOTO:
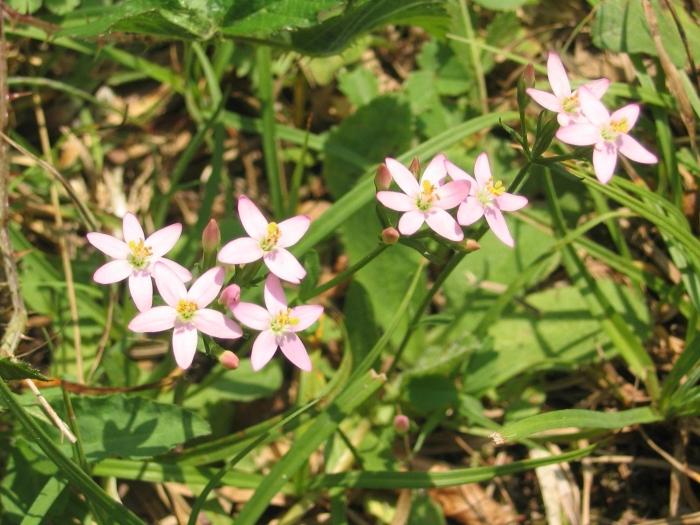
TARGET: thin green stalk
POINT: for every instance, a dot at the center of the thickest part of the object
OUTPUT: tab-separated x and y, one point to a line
474	55
209	74
298	174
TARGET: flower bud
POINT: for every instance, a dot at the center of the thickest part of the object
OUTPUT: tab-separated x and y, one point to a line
415	166
529	76
401	424
230	296
229	360
390	235
211	237
470	245
382	179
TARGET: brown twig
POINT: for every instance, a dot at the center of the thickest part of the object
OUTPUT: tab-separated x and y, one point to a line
684	469
79	388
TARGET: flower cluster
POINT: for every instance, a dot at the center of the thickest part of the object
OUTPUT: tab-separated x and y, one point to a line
428	199
585	121
188	312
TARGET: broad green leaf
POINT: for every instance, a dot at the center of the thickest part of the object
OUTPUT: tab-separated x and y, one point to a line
25	6
425	510
10	369
504	5
430	394
61	7
50	492
360	85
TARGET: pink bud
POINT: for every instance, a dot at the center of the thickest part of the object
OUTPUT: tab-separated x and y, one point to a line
229	360
382	180
211	237
390	235
414	167
529	75
401	424
471	245
230	296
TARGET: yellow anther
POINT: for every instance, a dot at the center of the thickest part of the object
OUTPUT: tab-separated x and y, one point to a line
427	188
186	309
571	103
282	321
271	237
620	126
496	189
140	253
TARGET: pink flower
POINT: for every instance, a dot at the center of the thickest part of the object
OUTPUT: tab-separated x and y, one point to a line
563	101
186	312
135	256
486	198
608	134
279	325
268	240
427	200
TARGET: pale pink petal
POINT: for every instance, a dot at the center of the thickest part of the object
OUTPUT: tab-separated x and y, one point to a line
240	251
592	108
292	230
131	228
275	300
163	240
293	349
482	169
459	174
307	315
436	170
630	113
252	315
156	319
566	119
184	345
451	194
410	222
396	201
557	76
108	245
598	87
604	161
264	348
402	176
498	225
284	265
182	273
444	224
544	99
205	289
579	134
170	286
112	272
216	324
141	288
510	202
633	150
470	211
254	222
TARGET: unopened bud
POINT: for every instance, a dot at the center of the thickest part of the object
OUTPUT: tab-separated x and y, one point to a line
211	237
229	360
390	235
529	76
401	424
382	179
414	166
230	296
470	245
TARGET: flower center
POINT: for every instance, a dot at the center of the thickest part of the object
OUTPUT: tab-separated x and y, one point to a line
426	197
186	309
614	129
140	253
570	104
491	191
283	321
271	237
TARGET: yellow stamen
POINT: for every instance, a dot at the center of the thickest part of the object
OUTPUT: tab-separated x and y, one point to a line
271	237
571	103
282	321
140	253
426	196
620	126
186	309
496	189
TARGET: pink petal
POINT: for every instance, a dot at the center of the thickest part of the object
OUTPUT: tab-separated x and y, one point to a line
452	193
131	228
264	348
163	240
482	169
169	284
252	315
141	288
598	87
275	300
498	225
216	324
109	245
630	113
604	161
459	174
510	202
470	211
293	349
633	150
396	201
565	119
592	108
402	176
410	222
292	230
112	272
557	76
254	222
444	224
544	99
184	345
436	170
207	287
579	134
156	319
307	315
182	273
240	251
284	265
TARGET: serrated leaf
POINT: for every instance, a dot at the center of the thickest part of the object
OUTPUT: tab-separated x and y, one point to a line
10	369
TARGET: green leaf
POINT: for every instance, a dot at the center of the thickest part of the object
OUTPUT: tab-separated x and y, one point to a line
504	5
10	369
25	7
61	7
360	85
425	510
44	501
430	394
